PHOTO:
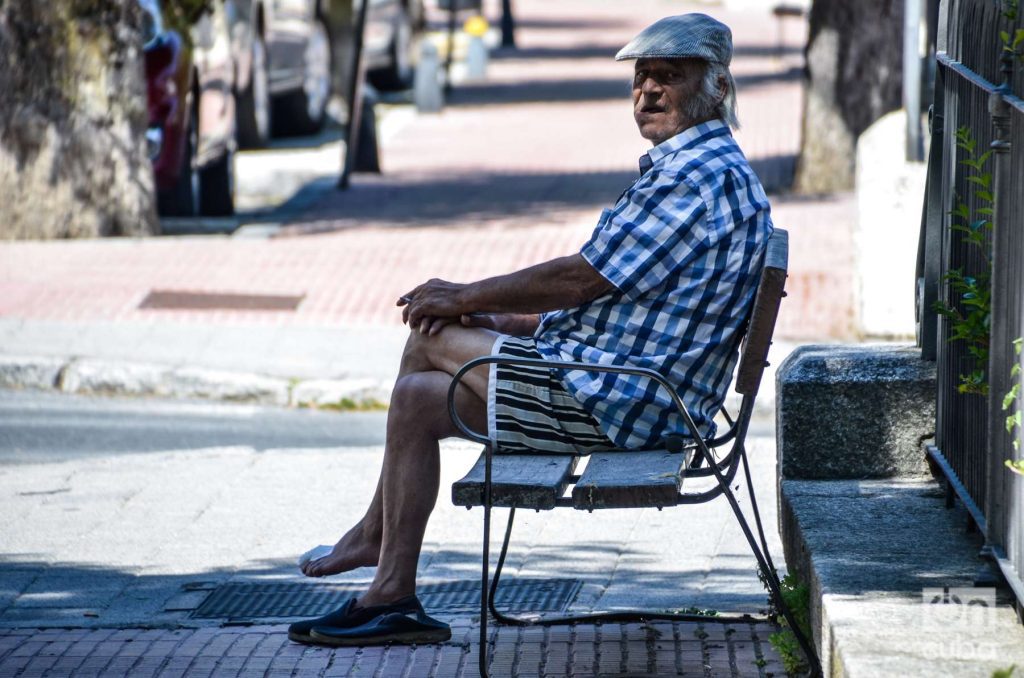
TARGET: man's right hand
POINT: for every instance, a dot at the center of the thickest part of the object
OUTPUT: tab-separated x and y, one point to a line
515	324
490	321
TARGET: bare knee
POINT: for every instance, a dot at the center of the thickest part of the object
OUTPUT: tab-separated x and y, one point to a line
416	357
419	404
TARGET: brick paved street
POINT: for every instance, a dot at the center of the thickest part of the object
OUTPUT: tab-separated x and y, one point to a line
632	650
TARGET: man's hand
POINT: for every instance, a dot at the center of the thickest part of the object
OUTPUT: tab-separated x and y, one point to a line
515	324
514	298
432	305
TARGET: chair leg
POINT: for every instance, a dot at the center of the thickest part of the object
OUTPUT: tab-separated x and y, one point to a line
497	572
484	600
763	562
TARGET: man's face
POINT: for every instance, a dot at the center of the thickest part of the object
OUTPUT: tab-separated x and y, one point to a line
661	90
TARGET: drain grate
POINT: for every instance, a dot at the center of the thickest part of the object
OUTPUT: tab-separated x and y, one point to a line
252	600
215	301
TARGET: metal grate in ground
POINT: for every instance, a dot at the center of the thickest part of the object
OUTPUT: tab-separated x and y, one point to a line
259	600
213	301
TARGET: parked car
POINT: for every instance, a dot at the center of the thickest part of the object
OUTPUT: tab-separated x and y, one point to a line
284	53
392	27
191	134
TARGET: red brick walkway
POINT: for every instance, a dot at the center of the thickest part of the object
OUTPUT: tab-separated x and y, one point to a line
656	649
513	172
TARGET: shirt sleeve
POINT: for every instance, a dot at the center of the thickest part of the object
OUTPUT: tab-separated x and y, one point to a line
651	233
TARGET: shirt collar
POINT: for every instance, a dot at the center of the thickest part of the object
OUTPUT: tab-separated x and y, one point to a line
688	138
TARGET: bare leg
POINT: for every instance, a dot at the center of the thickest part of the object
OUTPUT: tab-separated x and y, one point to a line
417	420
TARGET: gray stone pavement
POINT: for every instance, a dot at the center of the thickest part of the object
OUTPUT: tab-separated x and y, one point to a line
121	542
892	575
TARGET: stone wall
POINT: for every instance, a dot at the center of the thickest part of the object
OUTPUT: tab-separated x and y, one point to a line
72	121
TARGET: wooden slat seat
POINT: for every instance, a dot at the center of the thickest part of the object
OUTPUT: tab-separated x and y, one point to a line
533	481
641	479
638	479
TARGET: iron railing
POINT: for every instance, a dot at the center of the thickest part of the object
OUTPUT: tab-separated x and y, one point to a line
977	88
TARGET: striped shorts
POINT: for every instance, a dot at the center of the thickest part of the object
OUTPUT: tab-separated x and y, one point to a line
529	410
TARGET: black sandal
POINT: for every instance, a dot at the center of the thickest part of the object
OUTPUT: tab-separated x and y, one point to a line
349	616
406	628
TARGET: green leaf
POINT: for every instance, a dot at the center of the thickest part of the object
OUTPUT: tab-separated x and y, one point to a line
1013	421
984	195
1007	672
983	180
962	211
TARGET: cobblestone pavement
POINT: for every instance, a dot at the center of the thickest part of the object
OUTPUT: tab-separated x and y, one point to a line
635	650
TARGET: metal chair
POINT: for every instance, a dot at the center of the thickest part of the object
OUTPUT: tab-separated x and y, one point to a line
633	479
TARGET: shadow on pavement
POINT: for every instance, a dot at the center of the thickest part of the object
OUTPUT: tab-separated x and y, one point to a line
444	200
775	172
575	90
39	593
456	199
602	51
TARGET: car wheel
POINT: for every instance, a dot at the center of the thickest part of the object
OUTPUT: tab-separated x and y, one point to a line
217	187
398	75
181	200
304	111
253	105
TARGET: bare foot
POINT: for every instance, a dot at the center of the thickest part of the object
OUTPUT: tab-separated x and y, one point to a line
352	551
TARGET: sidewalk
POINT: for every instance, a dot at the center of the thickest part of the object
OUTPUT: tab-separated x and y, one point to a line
515	171
96	544
507	176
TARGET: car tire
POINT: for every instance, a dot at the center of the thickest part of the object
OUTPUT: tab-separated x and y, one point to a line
181	200
217	187
399	74
253	105
304	111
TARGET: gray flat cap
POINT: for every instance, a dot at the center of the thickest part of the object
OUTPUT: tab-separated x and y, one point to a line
695	36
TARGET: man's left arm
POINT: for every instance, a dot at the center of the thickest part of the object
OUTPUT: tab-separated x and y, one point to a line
561	283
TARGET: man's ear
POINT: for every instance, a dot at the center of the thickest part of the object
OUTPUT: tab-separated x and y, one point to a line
723	89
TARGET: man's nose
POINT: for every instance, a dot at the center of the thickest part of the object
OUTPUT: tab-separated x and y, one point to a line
651	86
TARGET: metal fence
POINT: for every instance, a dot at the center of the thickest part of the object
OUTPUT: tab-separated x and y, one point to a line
978	85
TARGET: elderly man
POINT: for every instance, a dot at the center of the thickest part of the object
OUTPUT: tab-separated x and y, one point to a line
663	282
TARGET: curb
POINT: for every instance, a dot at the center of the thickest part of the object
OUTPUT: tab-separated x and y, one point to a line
86	376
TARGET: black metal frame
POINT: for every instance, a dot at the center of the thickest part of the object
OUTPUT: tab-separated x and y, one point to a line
723	471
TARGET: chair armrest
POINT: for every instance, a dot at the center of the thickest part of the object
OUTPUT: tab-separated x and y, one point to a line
557	364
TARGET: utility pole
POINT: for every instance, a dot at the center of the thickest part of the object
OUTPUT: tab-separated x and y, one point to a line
508	25
352	155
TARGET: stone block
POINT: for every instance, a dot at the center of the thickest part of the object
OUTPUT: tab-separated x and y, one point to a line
848	412
29	372
104	377
191	382
341	393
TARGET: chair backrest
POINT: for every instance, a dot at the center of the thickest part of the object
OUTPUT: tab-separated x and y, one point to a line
761	326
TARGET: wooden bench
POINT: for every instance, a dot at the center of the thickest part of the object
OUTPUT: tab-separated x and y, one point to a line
631	479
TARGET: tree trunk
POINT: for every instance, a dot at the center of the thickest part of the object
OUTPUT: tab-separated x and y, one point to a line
73	117
854	71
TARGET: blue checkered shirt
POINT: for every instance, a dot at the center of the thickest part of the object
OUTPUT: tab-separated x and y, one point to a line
683	248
